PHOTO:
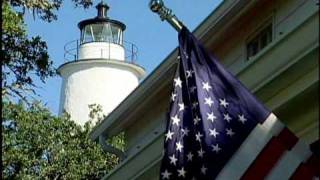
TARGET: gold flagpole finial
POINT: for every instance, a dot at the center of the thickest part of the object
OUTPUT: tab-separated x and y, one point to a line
157	6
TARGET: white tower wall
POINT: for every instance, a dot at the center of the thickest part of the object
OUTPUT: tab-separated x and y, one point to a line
101	50
103	82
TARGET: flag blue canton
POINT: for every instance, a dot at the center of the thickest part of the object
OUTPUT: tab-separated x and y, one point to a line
211	114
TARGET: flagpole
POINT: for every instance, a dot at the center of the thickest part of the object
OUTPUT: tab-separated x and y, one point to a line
157	6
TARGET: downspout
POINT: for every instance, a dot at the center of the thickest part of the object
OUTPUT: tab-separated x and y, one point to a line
110	149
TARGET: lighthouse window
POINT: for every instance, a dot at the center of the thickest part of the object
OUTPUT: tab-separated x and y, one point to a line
104	32
87	35
97	32
116	35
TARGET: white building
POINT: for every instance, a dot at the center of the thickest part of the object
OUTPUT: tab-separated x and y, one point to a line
102	69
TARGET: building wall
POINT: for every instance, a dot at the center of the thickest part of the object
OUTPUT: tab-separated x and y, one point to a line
151	120
284	76
285	15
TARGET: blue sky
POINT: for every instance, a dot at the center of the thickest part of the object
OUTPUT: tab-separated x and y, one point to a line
155	39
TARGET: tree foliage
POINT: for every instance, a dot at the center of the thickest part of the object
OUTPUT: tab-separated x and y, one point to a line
22	57
39	145
25	59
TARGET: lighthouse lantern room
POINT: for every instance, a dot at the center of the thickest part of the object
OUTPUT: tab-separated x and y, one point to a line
95	32
102	69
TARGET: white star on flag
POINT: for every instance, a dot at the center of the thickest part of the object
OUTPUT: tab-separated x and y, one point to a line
211	117
223	102
181	172
185	131
208	101
192	89
206	86
230	132
169	135
201	153
181	106
216	148
166	174
179	146
188	74
213	132
173	96
198	136
195	105
189	156
226	117
178	82
242	118
196	120
175	120
173	159
203	170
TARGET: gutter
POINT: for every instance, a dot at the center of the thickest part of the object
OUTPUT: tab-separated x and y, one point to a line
110	149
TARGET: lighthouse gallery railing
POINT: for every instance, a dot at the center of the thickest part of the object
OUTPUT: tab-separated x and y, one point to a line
71	50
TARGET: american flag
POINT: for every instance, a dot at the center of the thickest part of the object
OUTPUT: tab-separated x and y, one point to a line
217	129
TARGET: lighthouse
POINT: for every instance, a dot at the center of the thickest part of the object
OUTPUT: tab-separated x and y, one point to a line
100	67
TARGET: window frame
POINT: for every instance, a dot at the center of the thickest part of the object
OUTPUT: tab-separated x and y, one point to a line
256	32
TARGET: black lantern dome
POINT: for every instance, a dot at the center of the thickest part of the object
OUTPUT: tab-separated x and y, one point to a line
101	28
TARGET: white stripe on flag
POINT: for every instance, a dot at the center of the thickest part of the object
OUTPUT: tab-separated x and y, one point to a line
298	154
250	148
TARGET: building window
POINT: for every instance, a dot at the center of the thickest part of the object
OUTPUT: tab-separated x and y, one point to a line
259	41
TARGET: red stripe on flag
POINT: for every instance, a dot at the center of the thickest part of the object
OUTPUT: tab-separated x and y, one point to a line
307	170
270	155
302	172
287	138
265	160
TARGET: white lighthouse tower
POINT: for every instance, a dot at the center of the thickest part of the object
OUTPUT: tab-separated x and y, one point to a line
102	70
